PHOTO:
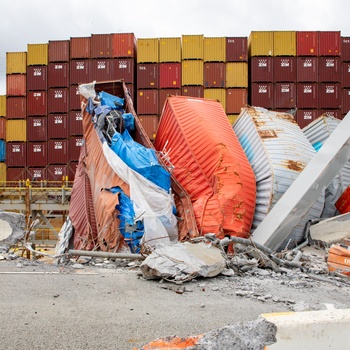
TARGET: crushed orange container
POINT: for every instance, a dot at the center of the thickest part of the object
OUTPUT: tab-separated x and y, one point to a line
343	202
339	259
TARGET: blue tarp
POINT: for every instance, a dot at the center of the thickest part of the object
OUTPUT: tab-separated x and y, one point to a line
112	101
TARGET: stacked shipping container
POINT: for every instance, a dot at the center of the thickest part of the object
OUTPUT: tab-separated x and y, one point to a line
345	75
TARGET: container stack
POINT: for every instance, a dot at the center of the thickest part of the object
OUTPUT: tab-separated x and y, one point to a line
2	137
345	75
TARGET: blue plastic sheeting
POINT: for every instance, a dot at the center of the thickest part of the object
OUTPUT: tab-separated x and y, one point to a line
112	101
131	231
129	121
141	159
2	151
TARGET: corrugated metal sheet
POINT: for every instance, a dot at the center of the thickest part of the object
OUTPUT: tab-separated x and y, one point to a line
75	144
163	95
192	72
57	126
123	45
343	202
307	69
307	43
285	95
307	95
100	69
284	69
329	43
278	151
56	172
192	47
305	116
345	75
16	154
150	124
216	94
169	49
232	118
236	99
262	95
147	76
2	172
236	74
37	54
147	101
75	123
16	107
74	97
2	128
345	105
72	169
169	75
345	48
36	173
37	154
16	174
317	133
58	75
214	49
58	100
16	84
236	49
36	78
36	103
2	151
16	130
16	62
193	91
329	95
214	74
79	71
329	69
80	47
101	46
3	105
260	43
59	50
123	69
261	69
210	164
148	50
284	43
57	151
37	129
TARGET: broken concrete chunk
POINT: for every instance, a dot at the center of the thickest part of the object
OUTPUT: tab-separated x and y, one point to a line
12	226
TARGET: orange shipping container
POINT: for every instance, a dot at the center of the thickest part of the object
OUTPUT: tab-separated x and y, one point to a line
150	124
236	99
2	128
16	84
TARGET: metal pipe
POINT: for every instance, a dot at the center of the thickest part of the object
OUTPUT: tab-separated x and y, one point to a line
106	255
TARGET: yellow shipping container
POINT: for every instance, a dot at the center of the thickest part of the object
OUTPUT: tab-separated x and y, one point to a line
2	172
260	43
284	43
170	50
3	106
16	62
192	72
16	130
232	118
216	94
215	49
148	50
193	47
237	74
37	54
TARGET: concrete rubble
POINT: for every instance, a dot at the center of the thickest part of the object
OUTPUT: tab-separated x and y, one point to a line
12	229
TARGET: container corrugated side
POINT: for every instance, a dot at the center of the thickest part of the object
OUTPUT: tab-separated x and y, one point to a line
169	75
236	49
192	47
16	107
3	172
284	43
37	154
59	50
260	43
236	99
214	49
193	91
37	103
16	62
37	54
169	50
148	50
150	124
16	84
2	128
37	129
307	43
101	46
236	74
2	105
36	78
345	48
278	151
16	154
80	47
123	45
57	151
329	43
2	151
216	94
214	74
16	130
58	74
192	72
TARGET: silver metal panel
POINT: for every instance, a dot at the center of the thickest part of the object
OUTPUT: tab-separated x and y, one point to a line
306	189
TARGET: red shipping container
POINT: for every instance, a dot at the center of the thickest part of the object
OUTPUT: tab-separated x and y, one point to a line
75	143
36	78
71	170
329	95
2	128
37	129
345	105
101	69
58	100
57	126
79	71
329	43
36	103
16	84
170	75
16	107
262	95
193	91
235	100
56	172
80	47
261	69
147	76
306	116
307	95
345	48
58	74
36	174
37	154
214	74
75	123
147	101
163	94
123	45
57	151
345	74
329	69
236	49
131	90
150	124
285	95
16	154
284	69
74	97
307	69
307	43
16	174
123	69
100	45
59	50
335	113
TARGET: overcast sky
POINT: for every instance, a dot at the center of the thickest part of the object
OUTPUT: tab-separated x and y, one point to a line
39	21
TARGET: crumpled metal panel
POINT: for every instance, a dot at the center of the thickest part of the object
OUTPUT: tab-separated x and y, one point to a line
278	151
209	163
317	133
